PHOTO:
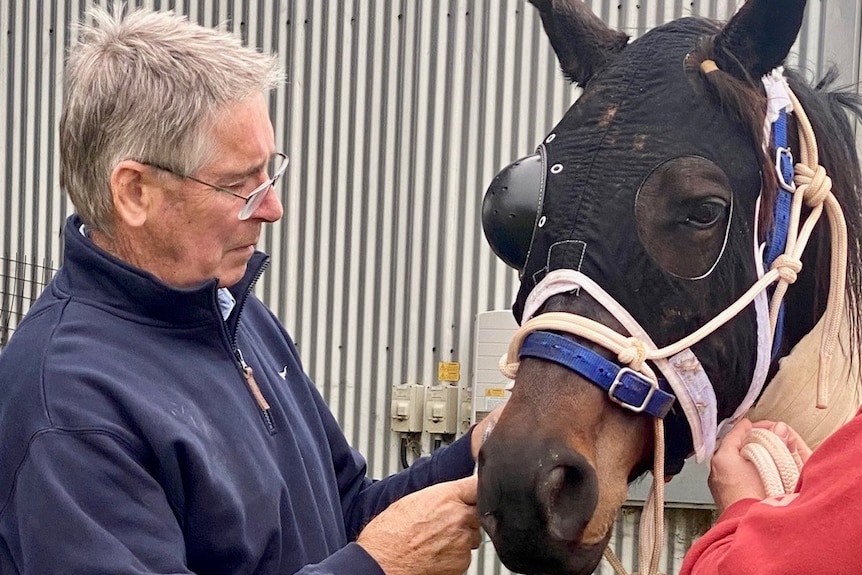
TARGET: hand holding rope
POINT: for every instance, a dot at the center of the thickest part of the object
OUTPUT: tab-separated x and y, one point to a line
778	467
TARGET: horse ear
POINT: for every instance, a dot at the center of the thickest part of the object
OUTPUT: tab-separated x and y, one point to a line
583	43
758	37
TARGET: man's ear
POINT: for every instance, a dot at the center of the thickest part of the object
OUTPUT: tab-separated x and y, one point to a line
131	192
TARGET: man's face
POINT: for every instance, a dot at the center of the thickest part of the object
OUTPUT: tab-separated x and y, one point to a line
194	233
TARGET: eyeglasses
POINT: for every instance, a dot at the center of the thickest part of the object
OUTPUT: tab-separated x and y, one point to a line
275	170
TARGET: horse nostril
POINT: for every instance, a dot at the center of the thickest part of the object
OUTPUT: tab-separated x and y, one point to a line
569	494
563	475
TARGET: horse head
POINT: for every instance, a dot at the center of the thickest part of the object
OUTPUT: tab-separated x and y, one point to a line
642	213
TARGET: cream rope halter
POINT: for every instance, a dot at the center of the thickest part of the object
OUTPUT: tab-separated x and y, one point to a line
812	188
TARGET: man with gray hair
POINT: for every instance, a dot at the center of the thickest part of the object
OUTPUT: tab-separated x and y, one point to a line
154	414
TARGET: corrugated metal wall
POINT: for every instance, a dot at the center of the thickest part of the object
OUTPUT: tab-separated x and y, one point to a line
396	116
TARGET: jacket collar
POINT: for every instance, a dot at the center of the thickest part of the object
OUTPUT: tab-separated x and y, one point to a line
89	272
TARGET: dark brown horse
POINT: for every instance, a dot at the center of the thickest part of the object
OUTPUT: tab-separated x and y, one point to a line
654	193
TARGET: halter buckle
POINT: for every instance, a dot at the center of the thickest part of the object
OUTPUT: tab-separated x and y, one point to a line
782	155
618	383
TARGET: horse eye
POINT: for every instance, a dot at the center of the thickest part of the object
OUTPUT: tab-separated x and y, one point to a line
706	214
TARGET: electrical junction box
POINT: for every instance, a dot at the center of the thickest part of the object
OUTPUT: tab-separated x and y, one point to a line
465	411
406	408
441	409
494	331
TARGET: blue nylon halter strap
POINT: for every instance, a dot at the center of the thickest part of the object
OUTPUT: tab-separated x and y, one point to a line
781	210
625	386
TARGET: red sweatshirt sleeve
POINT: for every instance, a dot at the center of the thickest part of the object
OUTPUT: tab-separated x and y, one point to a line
815	530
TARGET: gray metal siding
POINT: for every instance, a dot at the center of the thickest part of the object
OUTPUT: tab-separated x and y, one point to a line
396	115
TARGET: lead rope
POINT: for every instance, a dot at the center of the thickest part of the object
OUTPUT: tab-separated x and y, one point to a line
651	536
813	187
778	467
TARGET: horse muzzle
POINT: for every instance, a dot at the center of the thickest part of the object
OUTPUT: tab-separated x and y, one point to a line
535	501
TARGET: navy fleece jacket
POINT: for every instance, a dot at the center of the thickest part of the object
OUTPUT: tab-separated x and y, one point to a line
130	442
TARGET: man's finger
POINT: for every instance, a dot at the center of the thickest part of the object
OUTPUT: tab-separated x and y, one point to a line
466	489
475	538
473	521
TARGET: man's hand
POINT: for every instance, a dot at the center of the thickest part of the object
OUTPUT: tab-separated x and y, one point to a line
429	532
732	477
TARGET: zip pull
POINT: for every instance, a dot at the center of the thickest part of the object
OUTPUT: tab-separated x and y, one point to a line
248	375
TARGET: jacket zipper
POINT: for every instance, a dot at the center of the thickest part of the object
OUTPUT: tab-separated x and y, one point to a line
262	404
247	372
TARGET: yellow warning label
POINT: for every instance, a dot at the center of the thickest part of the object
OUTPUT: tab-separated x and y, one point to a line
495	392
449	371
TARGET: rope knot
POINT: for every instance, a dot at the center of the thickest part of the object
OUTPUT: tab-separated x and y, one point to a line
814	184
633	354
788	268
509	370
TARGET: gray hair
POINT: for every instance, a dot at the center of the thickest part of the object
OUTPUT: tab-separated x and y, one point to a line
147	87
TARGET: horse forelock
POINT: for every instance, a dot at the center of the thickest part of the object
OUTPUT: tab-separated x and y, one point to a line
745	100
